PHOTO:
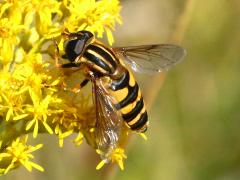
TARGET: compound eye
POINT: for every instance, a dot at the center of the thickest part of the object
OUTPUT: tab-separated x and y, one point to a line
79	47
73	48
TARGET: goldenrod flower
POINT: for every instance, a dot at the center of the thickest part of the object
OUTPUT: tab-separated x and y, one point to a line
117	155
44	11
33	94
18	153
95	16
40	111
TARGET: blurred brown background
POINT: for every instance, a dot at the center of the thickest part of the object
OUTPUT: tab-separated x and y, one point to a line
195	118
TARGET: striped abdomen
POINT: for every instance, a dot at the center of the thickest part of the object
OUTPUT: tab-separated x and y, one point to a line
130	101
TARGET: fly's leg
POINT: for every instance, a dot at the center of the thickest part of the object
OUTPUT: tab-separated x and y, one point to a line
78	87
56	58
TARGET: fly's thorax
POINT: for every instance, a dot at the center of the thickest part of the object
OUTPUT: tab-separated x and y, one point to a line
100	59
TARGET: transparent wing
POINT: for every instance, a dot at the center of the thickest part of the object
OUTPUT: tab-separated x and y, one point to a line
108	120
151	58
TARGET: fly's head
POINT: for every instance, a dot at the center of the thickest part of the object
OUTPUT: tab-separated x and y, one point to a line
76	44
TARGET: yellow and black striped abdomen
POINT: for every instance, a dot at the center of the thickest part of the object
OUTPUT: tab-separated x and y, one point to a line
130	102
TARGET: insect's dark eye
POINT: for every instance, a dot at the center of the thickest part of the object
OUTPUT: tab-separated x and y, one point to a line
74	48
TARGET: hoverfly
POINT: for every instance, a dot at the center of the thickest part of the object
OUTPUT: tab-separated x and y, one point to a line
116	94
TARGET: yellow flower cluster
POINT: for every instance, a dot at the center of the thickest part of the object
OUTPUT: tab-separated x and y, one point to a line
18	153
116	156
32	95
